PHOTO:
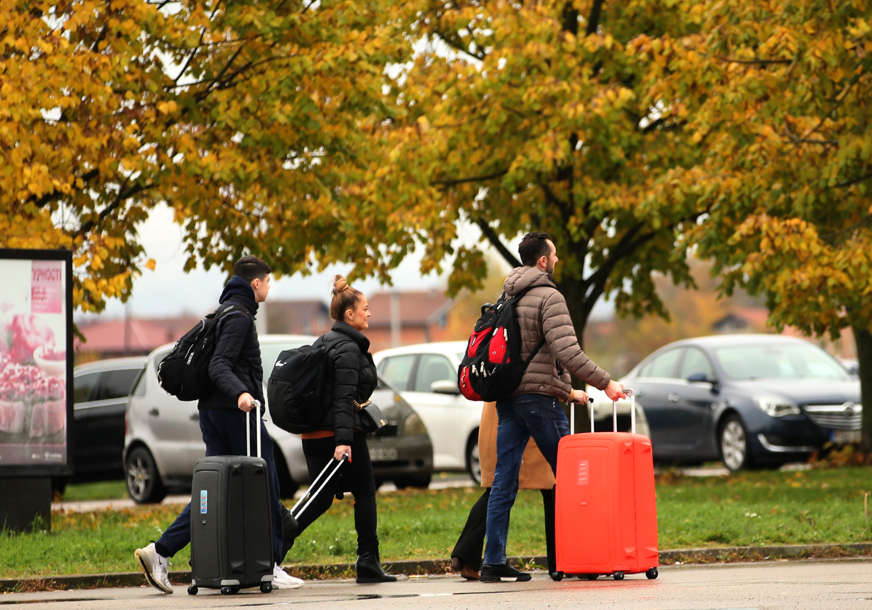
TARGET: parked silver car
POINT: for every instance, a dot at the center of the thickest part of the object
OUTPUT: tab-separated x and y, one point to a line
163	438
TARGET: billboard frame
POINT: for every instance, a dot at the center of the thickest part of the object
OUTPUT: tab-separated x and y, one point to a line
59	468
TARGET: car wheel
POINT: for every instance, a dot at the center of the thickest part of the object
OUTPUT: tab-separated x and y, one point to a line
143	480
58	487
473	464
733	441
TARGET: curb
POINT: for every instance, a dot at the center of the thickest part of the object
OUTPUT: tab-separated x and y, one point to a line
443	566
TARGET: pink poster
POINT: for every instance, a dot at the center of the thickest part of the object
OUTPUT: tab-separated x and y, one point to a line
46	287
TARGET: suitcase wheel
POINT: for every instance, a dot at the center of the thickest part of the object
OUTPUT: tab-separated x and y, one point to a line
556	576
618	576
265	587
192	590
652	573
227	590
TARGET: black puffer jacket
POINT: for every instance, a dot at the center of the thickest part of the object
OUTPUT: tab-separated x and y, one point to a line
235	366
352	378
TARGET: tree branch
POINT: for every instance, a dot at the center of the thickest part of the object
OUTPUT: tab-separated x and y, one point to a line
593	19
496	242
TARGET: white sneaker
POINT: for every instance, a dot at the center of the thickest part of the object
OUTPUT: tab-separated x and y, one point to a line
155	566
283	580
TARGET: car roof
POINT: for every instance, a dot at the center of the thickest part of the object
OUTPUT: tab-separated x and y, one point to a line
265	339
738	339
108	364
435	347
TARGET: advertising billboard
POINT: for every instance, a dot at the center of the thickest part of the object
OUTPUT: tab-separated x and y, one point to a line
36	362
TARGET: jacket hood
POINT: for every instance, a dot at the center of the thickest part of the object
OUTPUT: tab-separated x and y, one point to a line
239	291
523	277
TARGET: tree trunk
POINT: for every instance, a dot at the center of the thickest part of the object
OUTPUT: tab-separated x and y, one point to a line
863	339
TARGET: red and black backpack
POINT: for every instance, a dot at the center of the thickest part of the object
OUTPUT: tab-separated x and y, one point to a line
492	366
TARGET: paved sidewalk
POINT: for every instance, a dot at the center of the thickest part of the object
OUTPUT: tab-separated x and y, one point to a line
796	584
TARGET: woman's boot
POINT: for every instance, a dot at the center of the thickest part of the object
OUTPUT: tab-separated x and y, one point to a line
369	569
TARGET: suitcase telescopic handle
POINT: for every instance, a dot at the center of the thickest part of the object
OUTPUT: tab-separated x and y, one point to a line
318	485
590	410
248	429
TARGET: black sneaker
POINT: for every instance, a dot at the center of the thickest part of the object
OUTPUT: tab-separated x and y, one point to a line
502	573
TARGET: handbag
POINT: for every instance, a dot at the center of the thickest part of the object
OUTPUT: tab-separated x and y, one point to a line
371	417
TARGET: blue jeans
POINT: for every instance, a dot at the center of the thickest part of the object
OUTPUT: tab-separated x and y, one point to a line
520	418
224	434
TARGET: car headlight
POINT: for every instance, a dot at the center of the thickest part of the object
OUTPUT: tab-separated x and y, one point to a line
776	406
414	425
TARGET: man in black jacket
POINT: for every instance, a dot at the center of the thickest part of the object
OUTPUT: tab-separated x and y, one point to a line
237	374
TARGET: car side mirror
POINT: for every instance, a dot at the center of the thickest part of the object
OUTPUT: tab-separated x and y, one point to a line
444	386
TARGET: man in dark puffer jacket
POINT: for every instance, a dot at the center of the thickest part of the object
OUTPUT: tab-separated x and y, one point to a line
237	374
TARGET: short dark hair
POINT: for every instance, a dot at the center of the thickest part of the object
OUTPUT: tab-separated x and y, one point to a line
251	267
533	245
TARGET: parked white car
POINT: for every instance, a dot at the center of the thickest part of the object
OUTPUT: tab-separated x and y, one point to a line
163	438
425	374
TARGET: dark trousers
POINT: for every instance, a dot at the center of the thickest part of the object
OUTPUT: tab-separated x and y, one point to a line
356	477
471	541
224	434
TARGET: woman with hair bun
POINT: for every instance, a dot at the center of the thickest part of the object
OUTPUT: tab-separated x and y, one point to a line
352	379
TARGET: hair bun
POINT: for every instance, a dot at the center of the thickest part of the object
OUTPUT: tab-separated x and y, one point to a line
340	284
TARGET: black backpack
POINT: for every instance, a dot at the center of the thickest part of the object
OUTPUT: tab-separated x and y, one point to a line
184	372
297	388
492	366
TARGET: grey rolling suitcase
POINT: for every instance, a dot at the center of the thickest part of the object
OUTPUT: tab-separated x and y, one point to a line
231	528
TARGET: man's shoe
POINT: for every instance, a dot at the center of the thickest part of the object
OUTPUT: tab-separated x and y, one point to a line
155	566
502	573
369	570
283	580
465	570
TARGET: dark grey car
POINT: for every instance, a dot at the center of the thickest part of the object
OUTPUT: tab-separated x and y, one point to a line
746	399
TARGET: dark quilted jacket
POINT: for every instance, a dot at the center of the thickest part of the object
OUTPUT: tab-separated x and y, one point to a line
352	378
542	312
235	366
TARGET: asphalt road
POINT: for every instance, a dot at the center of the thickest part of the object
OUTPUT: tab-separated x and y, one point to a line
804	584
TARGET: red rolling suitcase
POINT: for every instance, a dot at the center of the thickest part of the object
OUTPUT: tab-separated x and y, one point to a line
605	507
231	528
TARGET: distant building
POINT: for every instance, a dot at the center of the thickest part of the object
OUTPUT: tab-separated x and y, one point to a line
398	317
127	336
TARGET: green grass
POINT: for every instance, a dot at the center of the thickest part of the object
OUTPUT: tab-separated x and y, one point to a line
753	508
101	490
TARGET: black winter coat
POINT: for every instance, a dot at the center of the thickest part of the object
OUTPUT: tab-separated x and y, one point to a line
235	366
352	377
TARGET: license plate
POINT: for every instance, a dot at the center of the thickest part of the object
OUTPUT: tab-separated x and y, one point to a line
383	454
846	436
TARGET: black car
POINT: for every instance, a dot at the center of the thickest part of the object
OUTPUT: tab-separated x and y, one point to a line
100	395
750	400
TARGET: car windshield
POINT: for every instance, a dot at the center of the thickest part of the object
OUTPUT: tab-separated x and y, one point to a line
778	361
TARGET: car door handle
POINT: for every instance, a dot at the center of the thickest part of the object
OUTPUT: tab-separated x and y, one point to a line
154	412
673	397
194	417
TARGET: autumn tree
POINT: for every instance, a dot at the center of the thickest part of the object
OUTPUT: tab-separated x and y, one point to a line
542	116
245	117
783	110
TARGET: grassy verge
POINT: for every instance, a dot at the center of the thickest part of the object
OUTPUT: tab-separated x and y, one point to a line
754	508
100	490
